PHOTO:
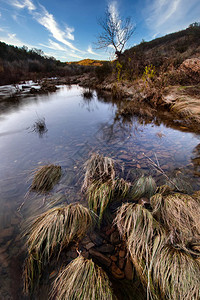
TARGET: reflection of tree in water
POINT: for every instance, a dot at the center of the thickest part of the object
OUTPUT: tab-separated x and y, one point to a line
196	160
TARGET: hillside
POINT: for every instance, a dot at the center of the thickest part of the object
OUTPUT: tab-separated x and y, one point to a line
87	62
172	49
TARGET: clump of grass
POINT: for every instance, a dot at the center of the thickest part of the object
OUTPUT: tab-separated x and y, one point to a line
98	168
50	233
177	274
144	237
145	186
180	214
40	127
82	279
45	177
100	194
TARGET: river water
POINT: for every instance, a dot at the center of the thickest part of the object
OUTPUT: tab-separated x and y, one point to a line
75	127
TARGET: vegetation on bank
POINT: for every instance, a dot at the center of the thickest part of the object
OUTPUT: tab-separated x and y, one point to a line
18	64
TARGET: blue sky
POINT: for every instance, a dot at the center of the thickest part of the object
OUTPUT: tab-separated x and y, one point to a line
67	29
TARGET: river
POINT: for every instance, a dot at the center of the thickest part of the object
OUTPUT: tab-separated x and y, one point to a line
75	127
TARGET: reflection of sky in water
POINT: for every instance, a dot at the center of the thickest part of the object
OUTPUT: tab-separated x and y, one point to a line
75	127
71	123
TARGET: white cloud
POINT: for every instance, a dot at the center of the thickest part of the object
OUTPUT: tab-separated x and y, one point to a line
168	16
54	46
89	50
69	34
26	3
112	8
11	39
75	55
47	20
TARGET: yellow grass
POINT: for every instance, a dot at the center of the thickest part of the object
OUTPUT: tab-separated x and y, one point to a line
50	233
82	280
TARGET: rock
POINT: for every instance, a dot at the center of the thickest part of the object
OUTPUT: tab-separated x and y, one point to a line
115	238
85	254
106	248
8	232
122	253
89	245
116	272
103	259
191	68
121	263
96	239
129	272
86	240
113	258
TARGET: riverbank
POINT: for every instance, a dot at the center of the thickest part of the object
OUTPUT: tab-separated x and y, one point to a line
181	101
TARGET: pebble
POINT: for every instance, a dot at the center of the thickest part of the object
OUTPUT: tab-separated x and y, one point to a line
8	232
115	238
116	272
89	245
121	263
103	259
106	248
113	258
96	239
129	272
122	253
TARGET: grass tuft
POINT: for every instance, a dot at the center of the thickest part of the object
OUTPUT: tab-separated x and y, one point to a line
180	215
82	279
50	233
177	274
100	195
144	237
45	177
145	186
98	168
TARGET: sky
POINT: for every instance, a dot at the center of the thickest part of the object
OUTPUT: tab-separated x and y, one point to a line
68	29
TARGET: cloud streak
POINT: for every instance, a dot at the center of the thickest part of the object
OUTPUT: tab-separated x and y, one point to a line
24	4
47	20
169	16
89	50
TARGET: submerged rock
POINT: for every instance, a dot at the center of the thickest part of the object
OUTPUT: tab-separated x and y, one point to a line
101	258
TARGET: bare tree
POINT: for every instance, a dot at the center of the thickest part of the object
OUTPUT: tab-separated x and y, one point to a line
115	30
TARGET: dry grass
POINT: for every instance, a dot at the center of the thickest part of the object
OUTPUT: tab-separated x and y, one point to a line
98	168
180	215
40	127
187	106
177	274
167	271
144	187
196	196
83	280
50	233
101	194
45	177
144	237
